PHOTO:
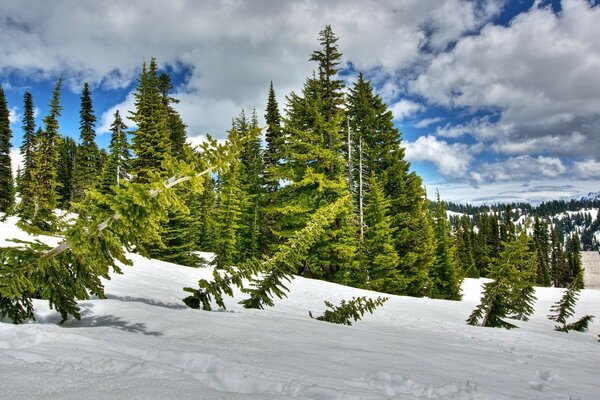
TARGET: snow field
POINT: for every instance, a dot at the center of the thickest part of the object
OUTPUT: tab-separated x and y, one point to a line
142	342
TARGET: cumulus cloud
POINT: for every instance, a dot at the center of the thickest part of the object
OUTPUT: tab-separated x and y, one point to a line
587	169
521	168
452	160
405	108
233	49
541	73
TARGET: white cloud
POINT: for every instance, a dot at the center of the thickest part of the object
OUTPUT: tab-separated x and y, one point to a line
587	169
232	49
521	168
13	115
452	160
541	74
107	118
554	144
405	108
424	123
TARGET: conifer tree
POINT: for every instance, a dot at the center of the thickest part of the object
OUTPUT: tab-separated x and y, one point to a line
558	266
574	258
67	153
206	204
542	248
152	140
330	85
251	175
117	165
7	189
565	308
274	139
44	173
85	173
381	256
27	149
175	125
445	277
518	252
464	247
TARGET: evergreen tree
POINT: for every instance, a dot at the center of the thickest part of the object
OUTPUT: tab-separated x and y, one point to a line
205	204
175	125
558	266
85	173
382	259
152	140
7	189
481	248
251	174
117	165
27	151
573	258
542	249
464	248
518	252
565	308
67	154
445	276
45	162
330	85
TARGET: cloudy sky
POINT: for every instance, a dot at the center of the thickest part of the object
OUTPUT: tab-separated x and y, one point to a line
497	100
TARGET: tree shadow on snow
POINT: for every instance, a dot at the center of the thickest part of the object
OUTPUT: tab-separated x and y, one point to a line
148	301
88	320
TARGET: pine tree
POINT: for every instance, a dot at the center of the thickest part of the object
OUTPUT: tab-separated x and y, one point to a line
445	276
558	266
274	139
518	252
85	173
25	209
175	125
542	248
7	189
464	247
381	256
206	204
117	165
44	172
67	153
565	308
152	140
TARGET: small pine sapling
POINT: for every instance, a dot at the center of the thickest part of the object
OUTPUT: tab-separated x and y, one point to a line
565	308
350	310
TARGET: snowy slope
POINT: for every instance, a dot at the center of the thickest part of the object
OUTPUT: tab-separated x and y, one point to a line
143	343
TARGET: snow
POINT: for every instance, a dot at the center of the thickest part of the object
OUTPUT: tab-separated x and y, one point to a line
142	342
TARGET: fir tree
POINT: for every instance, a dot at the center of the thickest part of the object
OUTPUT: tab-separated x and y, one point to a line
445	277
85	173
565	308
175	125
7	189
558	266
350	310
542	249
464	247
44	173
117	165
330	85
27	151
274	139
381	256
573	258
205	204
151	141
67	153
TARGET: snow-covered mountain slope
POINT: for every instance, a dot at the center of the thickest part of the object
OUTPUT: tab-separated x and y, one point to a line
142	342
591	196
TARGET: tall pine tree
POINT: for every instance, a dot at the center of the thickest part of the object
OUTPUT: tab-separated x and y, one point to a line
116	168
27	151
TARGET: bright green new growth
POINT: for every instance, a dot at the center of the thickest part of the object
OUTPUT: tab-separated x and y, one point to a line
565	308
108	226
279	267
353	309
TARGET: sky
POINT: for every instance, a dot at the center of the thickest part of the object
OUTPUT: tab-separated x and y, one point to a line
497	100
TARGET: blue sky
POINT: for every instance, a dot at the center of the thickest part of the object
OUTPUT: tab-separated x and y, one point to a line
497	100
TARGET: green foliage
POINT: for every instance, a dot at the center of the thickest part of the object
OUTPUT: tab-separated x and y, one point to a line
352	310
445	276
511	292
67	150
152	139
564	309
25	208
107	227
117	165
86	166
7	190
45	167
275	269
